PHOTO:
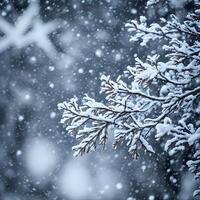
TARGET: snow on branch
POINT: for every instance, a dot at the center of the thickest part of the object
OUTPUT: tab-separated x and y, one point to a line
152	2
162	99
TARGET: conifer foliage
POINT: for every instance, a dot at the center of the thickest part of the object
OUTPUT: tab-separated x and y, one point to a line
157	97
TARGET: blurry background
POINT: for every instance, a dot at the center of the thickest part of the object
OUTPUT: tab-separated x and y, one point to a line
51	50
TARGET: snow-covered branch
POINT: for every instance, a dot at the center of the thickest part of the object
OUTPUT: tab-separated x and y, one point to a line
162	99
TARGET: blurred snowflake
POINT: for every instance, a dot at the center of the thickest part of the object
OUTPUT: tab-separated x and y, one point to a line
28	29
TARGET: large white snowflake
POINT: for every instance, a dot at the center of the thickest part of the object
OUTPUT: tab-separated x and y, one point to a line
28	29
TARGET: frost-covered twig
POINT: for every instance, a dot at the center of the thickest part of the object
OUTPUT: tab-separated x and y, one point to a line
163	97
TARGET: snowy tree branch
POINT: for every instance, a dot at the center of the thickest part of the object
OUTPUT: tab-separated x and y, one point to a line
163	97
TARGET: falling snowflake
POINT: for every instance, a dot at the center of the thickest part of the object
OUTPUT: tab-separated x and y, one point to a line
28	29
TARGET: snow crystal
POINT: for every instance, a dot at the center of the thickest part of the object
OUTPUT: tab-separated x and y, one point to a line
118	57
19	152
40	158
187	185
143	168
51	85
98	53
131	198
33	59
75	181
27	97
177	4
165	196
133	11
119	186
172	179
51	68
151	197
21	118
91	71
52	115
20	35
80	70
